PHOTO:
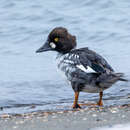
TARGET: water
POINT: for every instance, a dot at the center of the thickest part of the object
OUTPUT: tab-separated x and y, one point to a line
28	79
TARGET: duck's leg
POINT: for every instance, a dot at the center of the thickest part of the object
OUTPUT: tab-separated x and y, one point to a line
100	103
75	104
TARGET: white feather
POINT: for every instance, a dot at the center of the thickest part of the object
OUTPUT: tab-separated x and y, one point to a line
88	70
68	61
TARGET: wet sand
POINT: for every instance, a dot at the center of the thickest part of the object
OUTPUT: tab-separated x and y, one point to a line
85	119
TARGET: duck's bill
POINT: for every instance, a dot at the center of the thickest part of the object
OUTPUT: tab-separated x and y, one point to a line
45	47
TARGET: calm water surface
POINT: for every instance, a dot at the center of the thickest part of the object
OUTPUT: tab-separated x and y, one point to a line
27	78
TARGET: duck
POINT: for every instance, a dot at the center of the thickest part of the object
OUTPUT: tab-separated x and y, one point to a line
85	70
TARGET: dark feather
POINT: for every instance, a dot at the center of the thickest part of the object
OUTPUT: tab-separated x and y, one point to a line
92	59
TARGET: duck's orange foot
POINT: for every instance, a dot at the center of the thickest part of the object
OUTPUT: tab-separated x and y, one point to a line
75	106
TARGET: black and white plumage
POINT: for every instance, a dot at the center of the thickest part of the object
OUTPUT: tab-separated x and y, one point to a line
86	70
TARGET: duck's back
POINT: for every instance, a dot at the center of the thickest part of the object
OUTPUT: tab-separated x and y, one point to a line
84	59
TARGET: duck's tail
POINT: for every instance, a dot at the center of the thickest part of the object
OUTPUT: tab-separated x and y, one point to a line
120	77
107	80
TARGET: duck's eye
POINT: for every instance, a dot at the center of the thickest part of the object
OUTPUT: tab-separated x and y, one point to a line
56	39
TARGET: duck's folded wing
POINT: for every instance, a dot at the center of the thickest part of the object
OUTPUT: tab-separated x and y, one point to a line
90	60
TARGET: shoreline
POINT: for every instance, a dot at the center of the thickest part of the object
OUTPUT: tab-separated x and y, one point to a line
87	118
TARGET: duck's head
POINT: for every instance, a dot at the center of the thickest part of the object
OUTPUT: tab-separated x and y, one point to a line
59	40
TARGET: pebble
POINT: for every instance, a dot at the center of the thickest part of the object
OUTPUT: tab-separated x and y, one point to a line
60	112
123	116
5	116
46	114
113	111
45	120
94	115
27	117
53	116
70	112
98	119
15	127
84	119
16	122
81	110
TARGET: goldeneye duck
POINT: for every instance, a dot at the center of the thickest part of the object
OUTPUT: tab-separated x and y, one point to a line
86	70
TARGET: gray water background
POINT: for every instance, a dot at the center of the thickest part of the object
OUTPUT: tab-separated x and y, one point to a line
27	78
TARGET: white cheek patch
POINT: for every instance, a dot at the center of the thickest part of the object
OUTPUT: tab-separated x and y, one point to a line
53	45
87	70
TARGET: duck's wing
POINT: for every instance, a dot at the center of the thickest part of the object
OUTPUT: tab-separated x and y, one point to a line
89	60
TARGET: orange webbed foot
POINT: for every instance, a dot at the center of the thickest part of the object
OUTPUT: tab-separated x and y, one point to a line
75	106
